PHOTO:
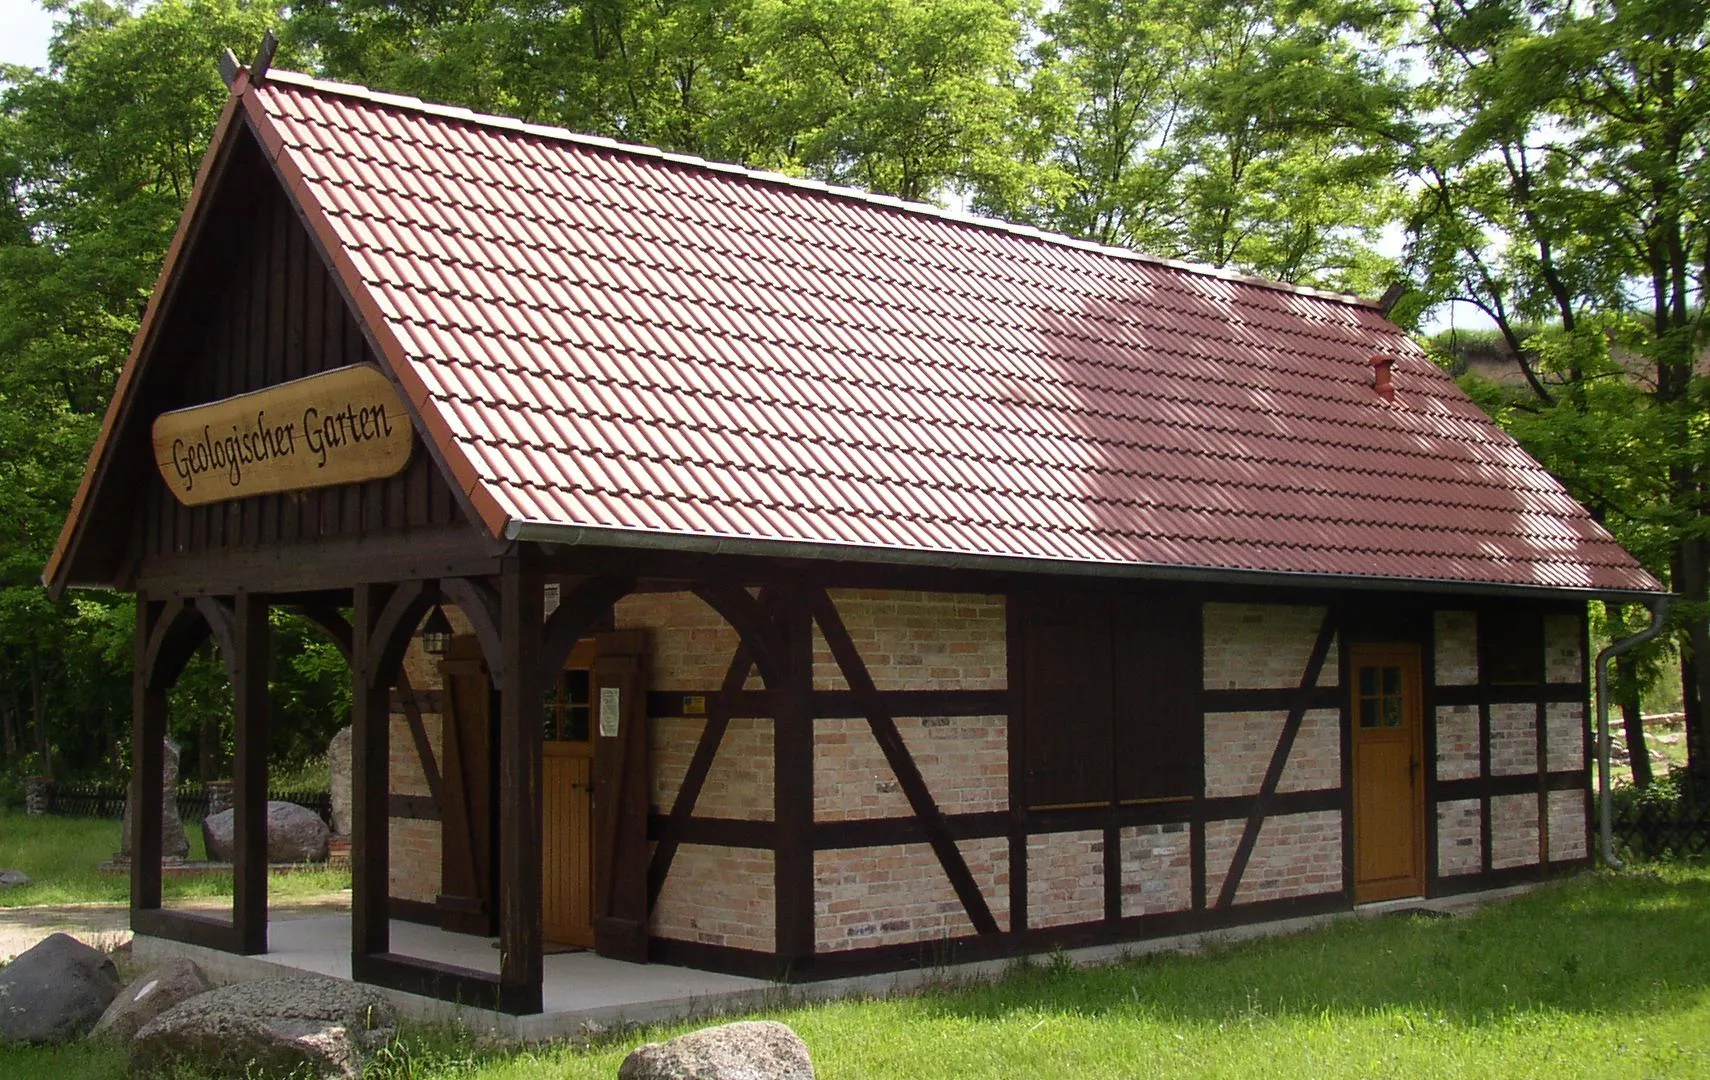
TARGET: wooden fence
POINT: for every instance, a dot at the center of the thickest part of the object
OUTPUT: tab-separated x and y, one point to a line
1677	829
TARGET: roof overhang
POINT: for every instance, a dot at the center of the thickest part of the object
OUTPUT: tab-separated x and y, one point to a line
758	547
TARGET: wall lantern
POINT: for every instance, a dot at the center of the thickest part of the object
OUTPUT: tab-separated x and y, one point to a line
436	633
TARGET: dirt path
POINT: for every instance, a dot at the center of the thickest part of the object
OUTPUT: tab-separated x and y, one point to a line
106	926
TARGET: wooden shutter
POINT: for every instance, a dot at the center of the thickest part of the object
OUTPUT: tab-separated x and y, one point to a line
468	882
1158	736
1066	702
620	795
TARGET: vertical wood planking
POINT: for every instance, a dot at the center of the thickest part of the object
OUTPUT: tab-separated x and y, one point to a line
148	730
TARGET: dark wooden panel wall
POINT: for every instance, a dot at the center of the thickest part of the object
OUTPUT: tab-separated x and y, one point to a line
267	310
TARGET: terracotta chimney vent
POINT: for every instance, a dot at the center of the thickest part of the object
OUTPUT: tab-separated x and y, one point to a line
1381	366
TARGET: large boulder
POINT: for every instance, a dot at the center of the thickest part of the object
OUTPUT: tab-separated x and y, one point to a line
168	983
746	1050
174	844
274	1027
55	991
12	878
338	780
294	834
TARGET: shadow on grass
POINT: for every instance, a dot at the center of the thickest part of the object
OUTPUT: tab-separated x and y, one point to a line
1632	943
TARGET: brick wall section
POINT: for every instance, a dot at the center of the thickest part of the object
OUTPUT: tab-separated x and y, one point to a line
1457	742
1456	646
1565	723
1238	749
739	784
413	873
1513	739
692	644
718	896
1513	831
1563	662
894	895
1294	855
1458	838
1567	825
964	761
1157	869
1065	878
919	640
1260	646
671	743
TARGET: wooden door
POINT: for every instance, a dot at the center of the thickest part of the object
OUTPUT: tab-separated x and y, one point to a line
468	782
567	793
1389	789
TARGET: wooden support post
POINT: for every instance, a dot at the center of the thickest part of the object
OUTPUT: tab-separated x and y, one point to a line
370	933
148	731
792	789
249	774
521	968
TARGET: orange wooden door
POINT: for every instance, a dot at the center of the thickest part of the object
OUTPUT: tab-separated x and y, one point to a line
1389	793
567	829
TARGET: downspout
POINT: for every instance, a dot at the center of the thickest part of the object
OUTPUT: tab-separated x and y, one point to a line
1606	812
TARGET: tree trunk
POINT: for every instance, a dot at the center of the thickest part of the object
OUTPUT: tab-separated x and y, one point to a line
1695	663
8	732
1633	721
210	760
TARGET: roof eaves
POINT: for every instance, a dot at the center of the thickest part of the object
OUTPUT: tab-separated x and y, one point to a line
561	134
54	573
579	535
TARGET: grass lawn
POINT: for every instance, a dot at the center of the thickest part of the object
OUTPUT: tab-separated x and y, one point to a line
62	855
1605	976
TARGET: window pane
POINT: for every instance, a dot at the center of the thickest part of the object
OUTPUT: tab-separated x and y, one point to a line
1369	710
1368	682
1392	680
1392	711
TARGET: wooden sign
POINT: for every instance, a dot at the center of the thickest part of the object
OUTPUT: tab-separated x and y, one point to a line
339	427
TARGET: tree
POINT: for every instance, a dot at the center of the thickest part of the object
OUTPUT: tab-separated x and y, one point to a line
1256	135
1563	182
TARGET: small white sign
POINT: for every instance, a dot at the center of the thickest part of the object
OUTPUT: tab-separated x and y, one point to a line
550	600
611	701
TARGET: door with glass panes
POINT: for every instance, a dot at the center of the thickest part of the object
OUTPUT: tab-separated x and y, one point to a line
567	777
1389	782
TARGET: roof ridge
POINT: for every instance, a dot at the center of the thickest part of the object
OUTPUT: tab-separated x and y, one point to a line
891	202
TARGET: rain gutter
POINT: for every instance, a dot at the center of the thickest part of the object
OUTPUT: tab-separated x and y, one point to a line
753	547
1606	813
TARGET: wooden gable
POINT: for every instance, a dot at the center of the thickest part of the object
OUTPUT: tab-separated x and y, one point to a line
250	304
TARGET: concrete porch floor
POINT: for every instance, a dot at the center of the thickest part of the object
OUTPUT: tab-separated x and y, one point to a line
587	994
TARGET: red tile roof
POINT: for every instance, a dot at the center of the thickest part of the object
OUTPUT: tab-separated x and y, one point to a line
652	347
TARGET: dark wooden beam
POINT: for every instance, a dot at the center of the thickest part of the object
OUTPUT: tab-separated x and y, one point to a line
909	778
148	731
370	857
1262	805
753	623
394	625
249	662
521	972
219	614
792	784
480	605
453	551
328	619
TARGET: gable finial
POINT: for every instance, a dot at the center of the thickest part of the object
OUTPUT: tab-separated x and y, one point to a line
229	67
263	57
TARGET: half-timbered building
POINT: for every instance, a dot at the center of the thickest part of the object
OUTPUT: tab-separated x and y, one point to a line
751	575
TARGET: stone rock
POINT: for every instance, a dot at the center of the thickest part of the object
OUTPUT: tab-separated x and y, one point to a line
338	770
274	1027
746	1050
9	878
294	834
55	991
174	844
160	988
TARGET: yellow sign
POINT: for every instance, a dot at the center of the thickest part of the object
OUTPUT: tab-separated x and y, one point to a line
339	427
